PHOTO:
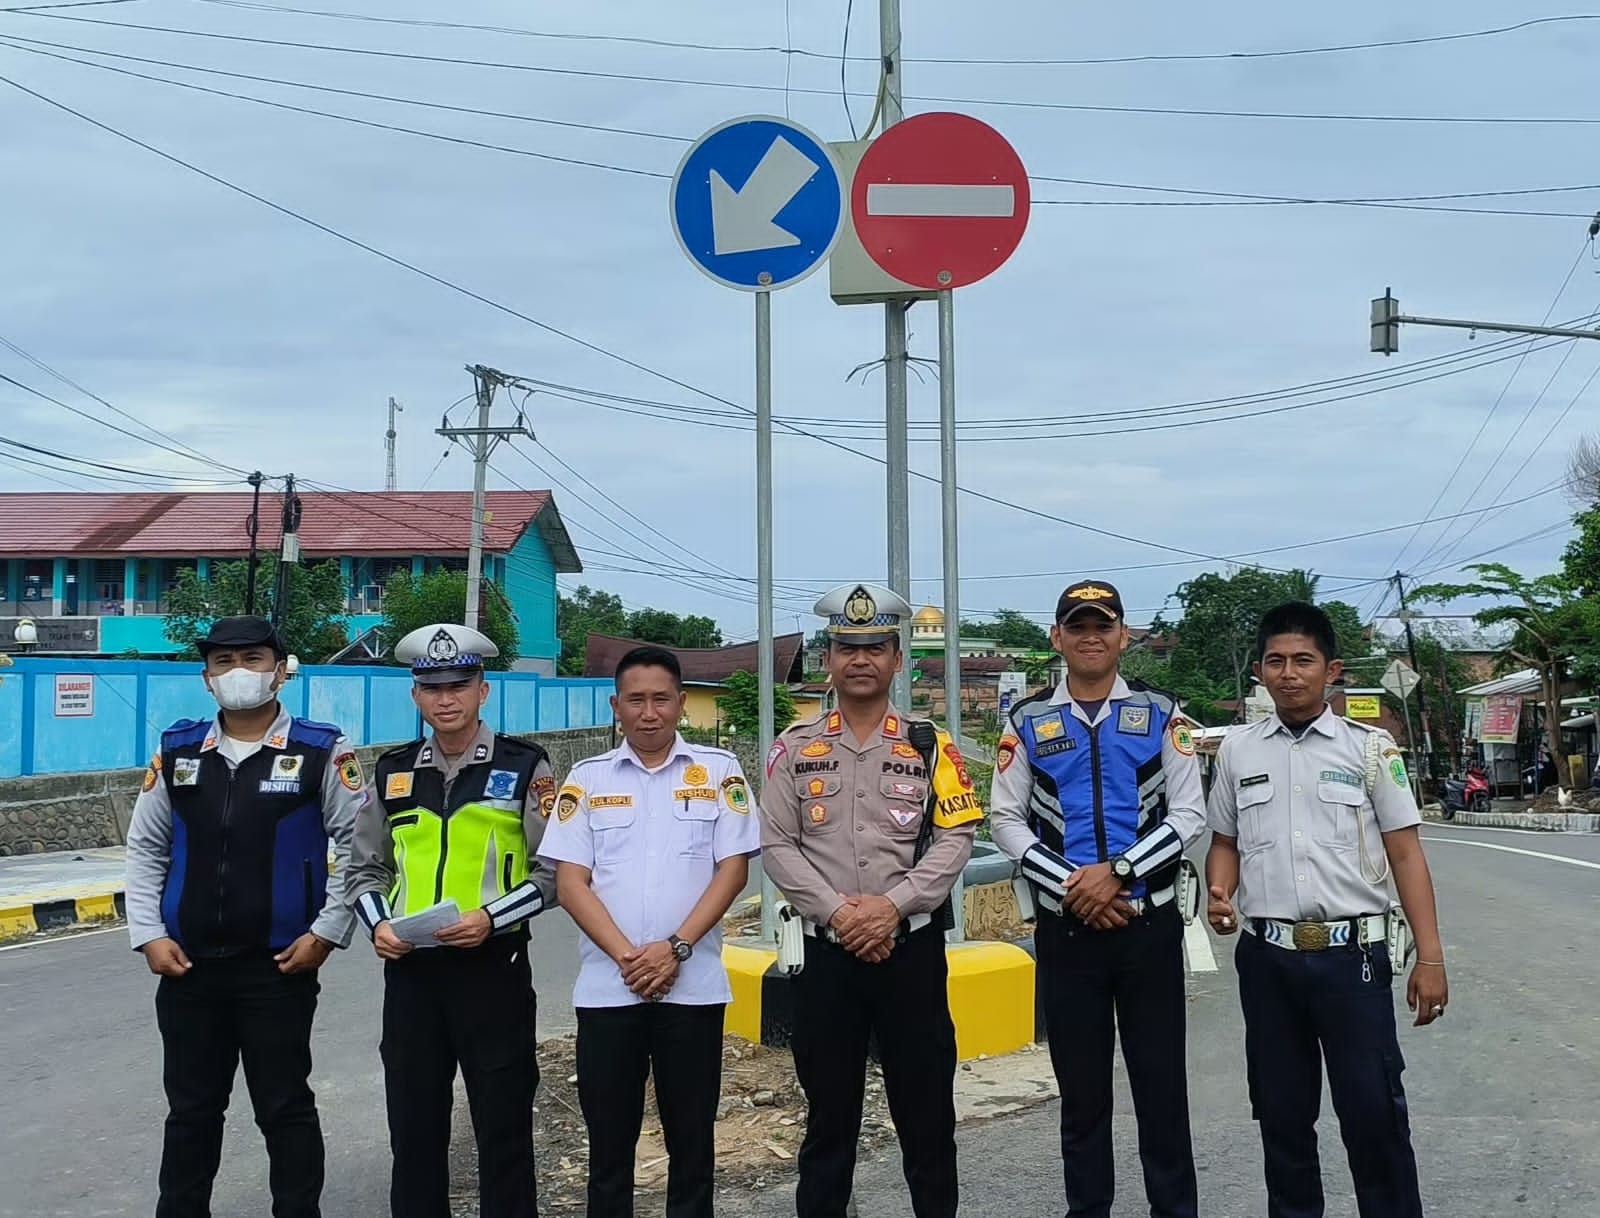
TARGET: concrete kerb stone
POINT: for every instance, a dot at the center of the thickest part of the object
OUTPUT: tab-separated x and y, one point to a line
24	919
1538	822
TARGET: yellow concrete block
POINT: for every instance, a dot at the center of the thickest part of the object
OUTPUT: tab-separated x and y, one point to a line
991	998
97	909
16	921
747	967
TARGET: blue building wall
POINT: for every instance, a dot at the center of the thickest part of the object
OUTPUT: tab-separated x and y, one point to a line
134	700
528	576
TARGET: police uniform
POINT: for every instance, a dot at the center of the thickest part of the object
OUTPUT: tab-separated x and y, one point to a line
842	817
652	840
466	829
1117	783
1308	811
228	855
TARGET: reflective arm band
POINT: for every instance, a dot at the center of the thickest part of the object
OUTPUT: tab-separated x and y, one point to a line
372	909
518	905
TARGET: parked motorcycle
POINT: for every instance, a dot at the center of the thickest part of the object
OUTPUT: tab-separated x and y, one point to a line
1465	794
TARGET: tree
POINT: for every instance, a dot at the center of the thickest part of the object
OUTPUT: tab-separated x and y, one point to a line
1215	640
741	705
311	625
1550	624
1010	628
587	611
671	630
410	601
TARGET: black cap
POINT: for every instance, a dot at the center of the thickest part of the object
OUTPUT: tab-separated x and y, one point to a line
246	630
1089	594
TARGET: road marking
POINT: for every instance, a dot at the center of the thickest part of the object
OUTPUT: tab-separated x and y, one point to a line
888	199
1533	854
1197	944
87	934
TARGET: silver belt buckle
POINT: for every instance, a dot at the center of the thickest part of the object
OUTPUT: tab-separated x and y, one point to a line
1311	936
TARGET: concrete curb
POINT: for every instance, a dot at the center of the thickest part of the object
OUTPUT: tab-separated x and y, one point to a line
1538	822
18	921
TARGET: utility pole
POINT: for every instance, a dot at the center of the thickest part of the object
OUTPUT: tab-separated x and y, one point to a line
484	441
251	525
896	448
388	444
1411	649
288	551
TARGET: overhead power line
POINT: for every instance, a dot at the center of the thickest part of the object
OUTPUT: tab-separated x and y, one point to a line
1212	198
802	53
586	344
752	86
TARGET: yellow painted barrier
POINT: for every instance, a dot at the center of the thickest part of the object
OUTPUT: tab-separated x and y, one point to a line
102	908
16	921
747	969
991	998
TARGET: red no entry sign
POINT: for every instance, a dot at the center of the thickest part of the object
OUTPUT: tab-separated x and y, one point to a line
940	200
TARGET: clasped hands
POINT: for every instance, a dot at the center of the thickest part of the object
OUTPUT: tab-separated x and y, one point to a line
866	926
1097	897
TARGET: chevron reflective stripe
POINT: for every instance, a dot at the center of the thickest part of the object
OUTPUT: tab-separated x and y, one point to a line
1154	851
1046	868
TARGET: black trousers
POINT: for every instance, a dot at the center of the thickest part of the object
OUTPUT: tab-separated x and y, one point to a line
475	1007
839	1003
617	1048
1096	983
1304	1008
224	1011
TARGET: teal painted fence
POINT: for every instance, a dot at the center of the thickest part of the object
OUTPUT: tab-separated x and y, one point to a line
62	716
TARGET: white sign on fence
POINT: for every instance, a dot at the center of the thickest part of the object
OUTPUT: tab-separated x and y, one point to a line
74	695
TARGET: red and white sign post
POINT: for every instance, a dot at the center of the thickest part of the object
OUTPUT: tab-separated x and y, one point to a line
940	201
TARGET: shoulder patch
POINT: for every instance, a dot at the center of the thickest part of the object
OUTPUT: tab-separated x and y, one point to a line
775	755
736	793
349	770
1006	751
566	803
1182	737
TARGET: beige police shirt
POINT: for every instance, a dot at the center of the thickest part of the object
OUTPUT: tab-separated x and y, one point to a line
1310	837
840	817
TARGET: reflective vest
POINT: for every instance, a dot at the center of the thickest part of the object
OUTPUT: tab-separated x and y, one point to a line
1098	789
469	847
249	862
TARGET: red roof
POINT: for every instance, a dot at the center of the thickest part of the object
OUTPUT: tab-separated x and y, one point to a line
708	665
179	525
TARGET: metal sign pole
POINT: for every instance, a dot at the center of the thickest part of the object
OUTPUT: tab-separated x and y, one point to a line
952	547
764	674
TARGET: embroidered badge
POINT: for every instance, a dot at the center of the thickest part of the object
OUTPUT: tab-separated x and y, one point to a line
1047	729
835	723
1340	776
1397	771
1182	738
481	753
817	748
695	776
398	786
902	749
567	803
736	793
903	788
502	784
953	754
902	817
818	813
891	725
1051	747
349	771
545	787
610	801
688	793
774	754
277	742
1006	752
185	771
816	787
288	766
1133	720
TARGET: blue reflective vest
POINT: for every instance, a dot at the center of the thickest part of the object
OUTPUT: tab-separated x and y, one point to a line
1097	790
249	865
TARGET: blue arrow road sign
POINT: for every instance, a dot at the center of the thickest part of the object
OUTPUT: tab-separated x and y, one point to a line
757	203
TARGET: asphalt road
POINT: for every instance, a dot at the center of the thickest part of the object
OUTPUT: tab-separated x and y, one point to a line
1503	1092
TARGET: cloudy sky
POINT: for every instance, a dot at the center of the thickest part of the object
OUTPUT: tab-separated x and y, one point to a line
266	343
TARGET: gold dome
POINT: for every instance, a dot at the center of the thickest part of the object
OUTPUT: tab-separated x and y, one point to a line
928	615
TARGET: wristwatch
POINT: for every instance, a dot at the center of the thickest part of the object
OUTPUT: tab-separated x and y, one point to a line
1121	868
682	949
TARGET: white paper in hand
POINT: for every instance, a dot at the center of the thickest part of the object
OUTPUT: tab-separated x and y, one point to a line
419	928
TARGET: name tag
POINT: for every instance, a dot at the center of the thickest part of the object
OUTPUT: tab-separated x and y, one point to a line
280	786
1349	780
1051	747
610	801
1255	780
687	793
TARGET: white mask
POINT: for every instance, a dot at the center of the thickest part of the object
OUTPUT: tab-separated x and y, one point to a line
241	689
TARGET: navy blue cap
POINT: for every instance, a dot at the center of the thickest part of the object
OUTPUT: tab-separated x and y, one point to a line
246	630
